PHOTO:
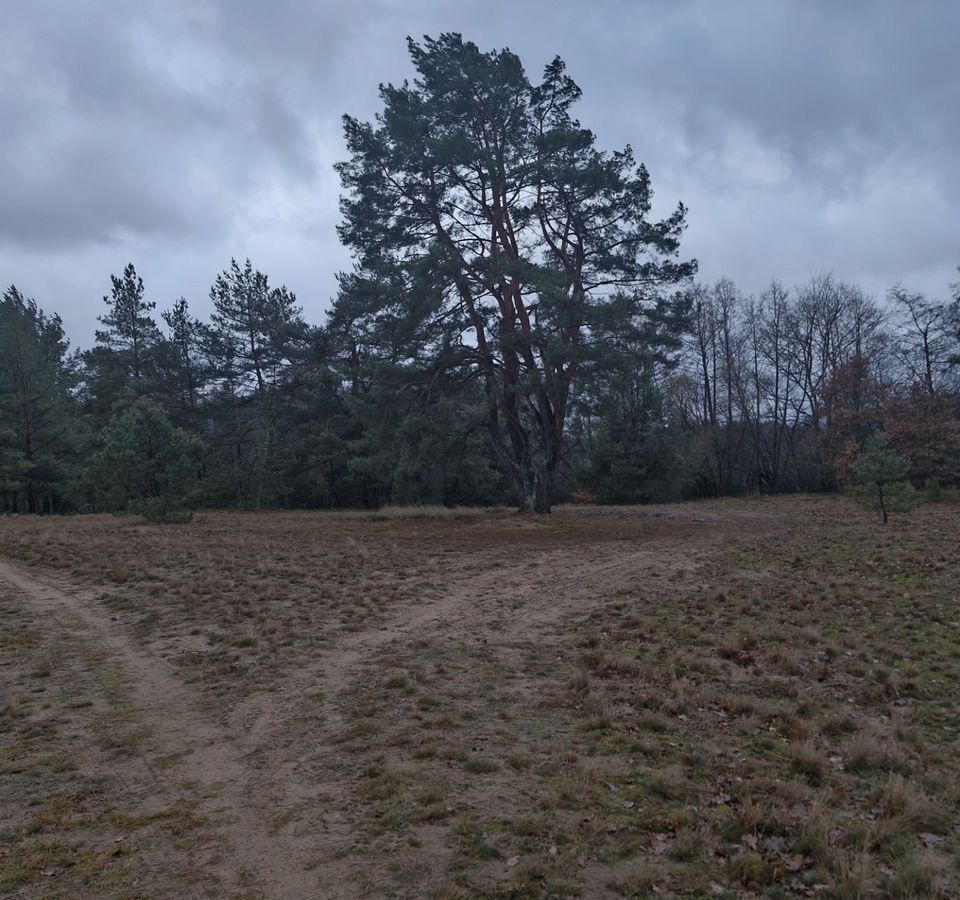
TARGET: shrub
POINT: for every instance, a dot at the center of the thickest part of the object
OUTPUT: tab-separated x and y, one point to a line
160	511
880	475
932	490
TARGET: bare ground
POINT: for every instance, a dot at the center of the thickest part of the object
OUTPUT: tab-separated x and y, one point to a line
728	698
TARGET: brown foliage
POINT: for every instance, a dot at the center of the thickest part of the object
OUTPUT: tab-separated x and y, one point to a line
853	402
925	428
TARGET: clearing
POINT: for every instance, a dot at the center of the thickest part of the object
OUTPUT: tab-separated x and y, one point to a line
734	698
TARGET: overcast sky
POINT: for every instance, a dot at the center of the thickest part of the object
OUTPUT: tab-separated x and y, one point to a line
803	136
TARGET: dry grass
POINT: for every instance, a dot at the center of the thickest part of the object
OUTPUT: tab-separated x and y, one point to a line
752	697
428	511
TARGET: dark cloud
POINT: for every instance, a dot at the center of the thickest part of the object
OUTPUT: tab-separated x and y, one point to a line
804	135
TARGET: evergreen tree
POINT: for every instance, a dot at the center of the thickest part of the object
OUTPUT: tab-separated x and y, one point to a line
257	343
880	477
123	364
130	331
145	464
39	432
256	330
489	229
183	362
633	453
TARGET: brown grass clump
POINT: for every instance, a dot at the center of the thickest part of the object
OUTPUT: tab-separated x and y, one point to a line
870	752
810	761
905	808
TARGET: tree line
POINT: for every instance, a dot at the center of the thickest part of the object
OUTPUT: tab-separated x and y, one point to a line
257	408
516	328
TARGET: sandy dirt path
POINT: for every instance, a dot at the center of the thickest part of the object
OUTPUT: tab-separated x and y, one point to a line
255	861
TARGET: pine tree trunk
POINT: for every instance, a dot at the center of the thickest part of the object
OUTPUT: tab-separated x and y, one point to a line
535	482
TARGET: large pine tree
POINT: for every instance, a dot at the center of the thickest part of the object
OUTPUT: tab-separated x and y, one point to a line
498	241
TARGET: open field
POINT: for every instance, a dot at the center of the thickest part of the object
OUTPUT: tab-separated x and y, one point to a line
730	699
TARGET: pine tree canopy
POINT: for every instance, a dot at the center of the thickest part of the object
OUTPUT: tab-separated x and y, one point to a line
492	236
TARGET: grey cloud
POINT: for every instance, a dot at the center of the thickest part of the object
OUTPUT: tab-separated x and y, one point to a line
117	130
802	134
